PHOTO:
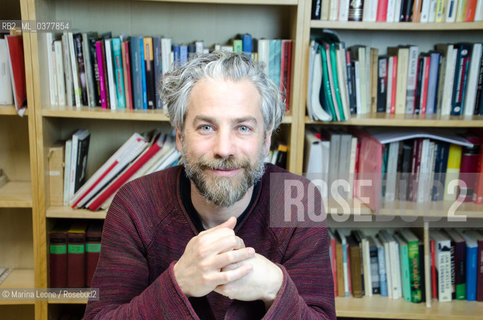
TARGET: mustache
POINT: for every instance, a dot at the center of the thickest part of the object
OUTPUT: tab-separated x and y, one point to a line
223	164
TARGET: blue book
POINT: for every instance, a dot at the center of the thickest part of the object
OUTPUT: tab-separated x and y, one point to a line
381	260
275	61
137	86
471	266
158	72
143	73
183	55
177	56
119	75
247	45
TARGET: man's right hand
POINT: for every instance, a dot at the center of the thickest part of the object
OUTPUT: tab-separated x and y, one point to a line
198	271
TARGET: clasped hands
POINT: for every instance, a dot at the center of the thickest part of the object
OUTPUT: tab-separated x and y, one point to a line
217	260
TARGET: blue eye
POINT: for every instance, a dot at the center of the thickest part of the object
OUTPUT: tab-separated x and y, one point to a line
244	129
206	128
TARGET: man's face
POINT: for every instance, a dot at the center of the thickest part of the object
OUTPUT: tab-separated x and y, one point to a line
223	141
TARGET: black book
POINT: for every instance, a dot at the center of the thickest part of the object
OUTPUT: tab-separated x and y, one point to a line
81	67
382	84
316	8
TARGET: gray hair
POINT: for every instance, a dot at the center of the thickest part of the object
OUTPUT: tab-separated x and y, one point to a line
177	85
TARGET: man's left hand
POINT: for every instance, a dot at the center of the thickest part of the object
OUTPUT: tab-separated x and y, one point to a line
262	283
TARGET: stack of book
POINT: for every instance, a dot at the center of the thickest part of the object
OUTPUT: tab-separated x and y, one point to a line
378	165
445	81
423	11
86	69
12	78
138	156
74	251
392	264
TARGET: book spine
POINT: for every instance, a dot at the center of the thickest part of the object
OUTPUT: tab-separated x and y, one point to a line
126	65
76	260
93	249
58	260
415	274
136	73
100	63
118	71
149	65
143	73
81	67
110	75
158	72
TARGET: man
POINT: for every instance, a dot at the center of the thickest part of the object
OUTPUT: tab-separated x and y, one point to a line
195	241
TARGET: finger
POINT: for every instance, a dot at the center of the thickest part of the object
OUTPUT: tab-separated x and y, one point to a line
233	275
230	259
230	223
227	243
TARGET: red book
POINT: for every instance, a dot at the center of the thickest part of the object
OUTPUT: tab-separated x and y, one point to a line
394	84
93	249
478	192
424	84
468	169
381	11
470	10
285	71
434	283
127	74
126	174
76	256
58	256
17	72
102	75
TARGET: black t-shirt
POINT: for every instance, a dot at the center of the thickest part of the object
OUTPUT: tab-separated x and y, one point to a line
185	191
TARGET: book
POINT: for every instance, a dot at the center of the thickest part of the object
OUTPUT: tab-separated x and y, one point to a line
131	169
76	260
414	266
17	72
150	72
118	72
458	275
93	249
110	169
443	265
55	158
80	151
405	268
58	255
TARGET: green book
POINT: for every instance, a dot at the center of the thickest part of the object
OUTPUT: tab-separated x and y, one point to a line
326	81
335	80
405	272
237	45
413	249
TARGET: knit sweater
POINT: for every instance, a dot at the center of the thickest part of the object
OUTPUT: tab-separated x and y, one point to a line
147	229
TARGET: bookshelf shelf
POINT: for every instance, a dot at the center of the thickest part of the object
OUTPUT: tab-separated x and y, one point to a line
69	213
396	26
108	114
19	278
403	120
9	110
385	308
240	2
16	194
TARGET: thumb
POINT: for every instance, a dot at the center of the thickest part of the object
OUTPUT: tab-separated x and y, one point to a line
230	223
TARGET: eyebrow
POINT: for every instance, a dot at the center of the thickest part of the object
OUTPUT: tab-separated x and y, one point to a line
199	118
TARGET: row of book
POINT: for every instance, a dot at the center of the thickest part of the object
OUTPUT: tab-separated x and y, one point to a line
392	264
12	75
86	69
423	11
357	80
74	250
395	164
138	156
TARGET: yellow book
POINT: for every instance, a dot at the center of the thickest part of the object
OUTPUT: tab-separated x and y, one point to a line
439	11
452	172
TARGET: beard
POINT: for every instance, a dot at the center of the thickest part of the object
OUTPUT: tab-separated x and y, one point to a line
223	191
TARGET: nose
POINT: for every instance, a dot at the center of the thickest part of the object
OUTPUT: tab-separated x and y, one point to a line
224	146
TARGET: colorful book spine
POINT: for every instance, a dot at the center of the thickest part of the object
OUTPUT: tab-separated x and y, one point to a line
143	73
76	260
118	72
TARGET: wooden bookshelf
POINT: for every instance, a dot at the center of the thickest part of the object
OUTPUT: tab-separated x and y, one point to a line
19	278
69	213
118	114
383	307
244	2
406	120
395	26
7	110
16	194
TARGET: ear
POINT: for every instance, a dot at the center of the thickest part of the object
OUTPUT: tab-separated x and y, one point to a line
179	146
268	141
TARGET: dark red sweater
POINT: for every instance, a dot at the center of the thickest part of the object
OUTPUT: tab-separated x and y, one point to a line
147	229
